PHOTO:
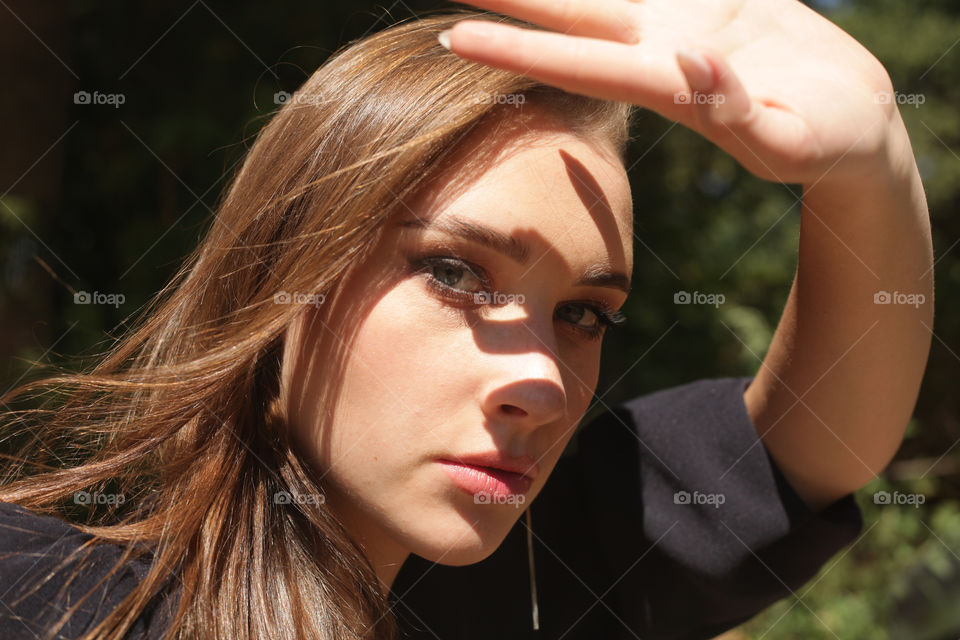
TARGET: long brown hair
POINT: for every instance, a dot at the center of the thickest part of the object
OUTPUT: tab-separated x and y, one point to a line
182	415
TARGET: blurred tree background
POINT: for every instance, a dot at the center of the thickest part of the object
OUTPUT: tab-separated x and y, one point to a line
104	197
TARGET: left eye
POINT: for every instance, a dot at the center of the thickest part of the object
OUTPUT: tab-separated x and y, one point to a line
458	280
456	275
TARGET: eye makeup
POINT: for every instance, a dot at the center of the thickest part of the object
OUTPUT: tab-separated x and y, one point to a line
445	275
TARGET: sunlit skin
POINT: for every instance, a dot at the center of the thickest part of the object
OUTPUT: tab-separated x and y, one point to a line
789	95
428	376
794	99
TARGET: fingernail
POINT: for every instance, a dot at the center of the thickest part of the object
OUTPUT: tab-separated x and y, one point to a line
444	38
695	67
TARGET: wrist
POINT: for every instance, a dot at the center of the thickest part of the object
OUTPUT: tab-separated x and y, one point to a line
890	168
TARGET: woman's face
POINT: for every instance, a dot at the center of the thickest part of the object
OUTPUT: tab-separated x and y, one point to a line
434	372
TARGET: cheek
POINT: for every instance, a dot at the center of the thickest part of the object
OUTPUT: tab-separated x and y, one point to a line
399	383
581	370
400	345
407	381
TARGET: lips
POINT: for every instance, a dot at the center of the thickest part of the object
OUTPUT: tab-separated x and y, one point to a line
498	461
486	484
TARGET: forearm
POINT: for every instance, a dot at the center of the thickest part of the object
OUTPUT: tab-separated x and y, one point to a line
841	377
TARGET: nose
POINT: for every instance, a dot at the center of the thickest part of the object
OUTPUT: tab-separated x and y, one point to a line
526	385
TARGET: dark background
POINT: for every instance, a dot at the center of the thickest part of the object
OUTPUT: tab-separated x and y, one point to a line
109	199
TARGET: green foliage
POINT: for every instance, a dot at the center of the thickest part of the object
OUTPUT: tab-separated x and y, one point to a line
703	223
899	581
139	184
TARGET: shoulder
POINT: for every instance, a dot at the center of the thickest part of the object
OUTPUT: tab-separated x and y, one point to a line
684	470
47	566
703	481
698	402
30	541
682	433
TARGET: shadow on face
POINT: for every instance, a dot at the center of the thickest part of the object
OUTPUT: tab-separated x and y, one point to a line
475	326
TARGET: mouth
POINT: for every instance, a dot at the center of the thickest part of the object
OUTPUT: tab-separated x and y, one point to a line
498	461
485	482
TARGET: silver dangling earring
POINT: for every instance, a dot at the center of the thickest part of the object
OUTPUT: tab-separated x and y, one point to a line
533	576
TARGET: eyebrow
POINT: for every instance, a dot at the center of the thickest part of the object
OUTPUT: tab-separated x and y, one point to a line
596	275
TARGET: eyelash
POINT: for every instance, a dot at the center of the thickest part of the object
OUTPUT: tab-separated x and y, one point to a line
607	318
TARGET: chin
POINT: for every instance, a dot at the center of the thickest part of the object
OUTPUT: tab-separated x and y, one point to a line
459	556
466	540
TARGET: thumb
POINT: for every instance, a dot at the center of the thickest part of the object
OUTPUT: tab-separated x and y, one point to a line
716	98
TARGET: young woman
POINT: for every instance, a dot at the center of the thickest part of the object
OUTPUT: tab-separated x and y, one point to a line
335	415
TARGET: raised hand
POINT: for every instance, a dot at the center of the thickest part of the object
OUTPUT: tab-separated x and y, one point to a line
786	92
794	99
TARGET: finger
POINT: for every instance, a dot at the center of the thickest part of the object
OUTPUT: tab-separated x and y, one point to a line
606	19
716	96
598	68
758	135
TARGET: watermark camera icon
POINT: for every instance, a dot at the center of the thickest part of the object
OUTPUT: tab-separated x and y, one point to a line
698	297
899	297
715	99
96	297
295	297
896	498
96	97
913	99
696	498
88	498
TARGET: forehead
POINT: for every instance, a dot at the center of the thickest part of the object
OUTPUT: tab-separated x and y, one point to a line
533	176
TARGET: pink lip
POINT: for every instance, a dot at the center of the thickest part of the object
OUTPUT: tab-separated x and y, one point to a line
477	480
520	465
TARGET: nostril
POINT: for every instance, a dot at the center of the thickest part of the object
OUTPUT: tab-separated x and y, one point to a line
512	410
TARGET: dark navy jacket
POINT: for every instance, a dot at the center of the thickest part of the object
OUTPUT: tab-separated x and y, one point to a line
666	519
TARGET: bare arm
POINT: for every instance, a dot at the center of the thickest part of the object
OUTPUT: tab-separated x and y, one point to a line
840	380
794	99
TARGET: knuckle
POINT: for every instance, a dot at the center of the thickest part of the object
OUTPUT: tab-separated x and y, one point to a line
579	70
567	10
